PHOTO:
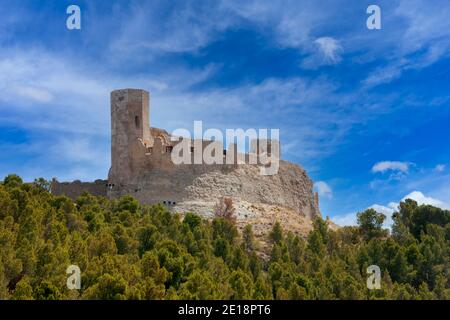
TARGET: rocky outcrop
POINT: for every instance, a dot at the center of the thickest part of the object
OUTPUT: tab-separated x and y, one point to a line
259	200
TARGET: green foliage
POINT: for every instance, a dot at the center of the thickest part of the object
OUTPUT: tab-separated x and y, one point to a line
276	235
223	228
128	203
129	251
108	287
23	290
248	238
370	224
192	220
417	218
318	238
42	184
242	285
12	181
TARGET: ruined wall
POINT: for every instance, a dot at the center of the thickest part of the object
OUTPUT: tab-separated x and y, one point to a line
74	189
198	188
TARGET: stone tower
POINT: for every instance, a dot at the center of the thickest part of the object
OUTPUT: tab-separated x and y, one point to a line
130	133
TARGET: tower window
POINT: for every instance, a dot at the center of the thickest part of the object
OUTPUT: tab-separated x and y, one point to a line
136	121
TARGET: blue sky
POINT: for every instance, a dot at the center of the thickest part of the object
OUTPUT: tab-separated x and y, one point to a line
365	112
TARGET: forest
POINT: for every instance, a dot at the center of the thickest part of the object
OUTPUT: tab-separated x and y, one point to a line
125	250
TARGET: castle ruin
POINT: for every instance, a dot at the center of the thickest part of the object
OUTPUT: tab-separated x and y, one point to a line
141	166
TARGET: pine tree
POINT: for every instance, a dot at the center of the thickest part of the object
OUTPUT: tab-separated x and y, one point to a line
276	235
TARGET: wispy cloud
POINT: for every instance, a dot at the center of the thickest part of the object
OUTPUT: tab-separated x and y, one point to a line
157	28
384	166
327	51
421	40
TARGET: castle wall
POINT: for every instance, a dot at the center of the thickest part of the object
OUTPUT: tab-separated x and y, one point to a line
198	188
76	188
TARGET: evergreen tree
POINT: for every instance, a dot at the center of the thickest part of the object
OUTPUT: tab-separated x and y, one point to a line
370	224
130	251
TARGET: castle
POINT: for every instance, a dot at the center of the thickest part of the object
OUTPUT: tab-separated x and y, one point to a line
142	166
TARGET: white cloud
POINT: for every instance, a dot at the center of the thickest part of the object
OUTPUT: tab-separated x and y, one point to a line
79	150
387	211
189	26
420	198
351	219
425	24
417	196
391	165
419	28
330	48
393	205
323	189
327	51
384	74
158	28
33	93
348	219
439	168
289	23
424	32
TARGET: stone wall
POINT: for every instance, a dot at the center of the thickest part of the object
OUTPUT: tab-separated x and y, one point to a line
74	189
198	188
